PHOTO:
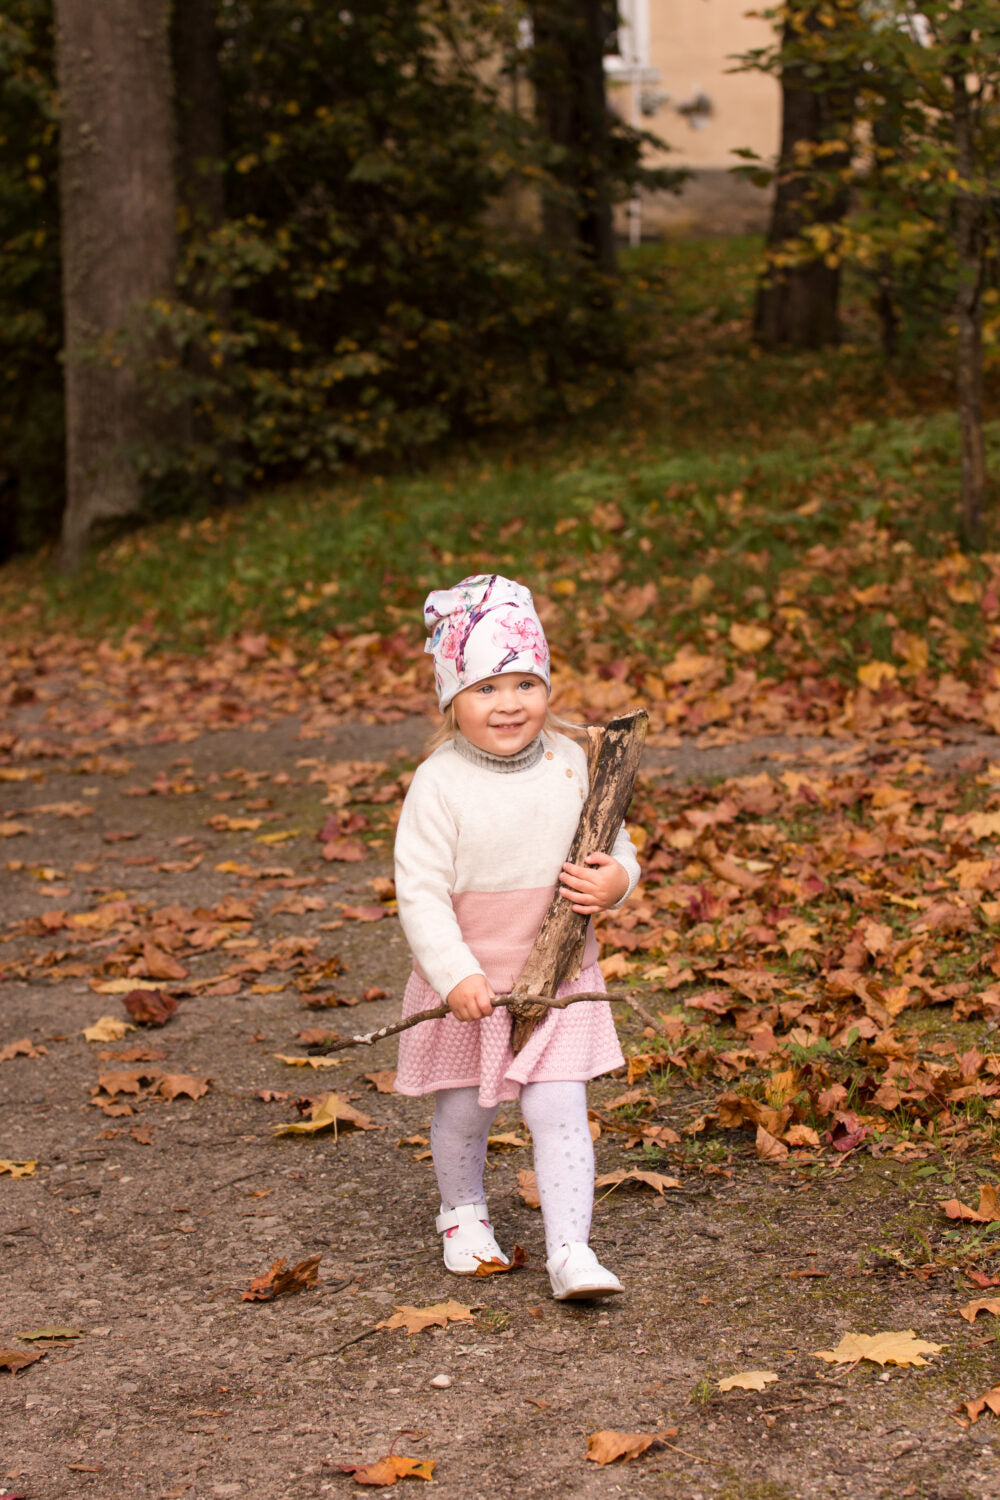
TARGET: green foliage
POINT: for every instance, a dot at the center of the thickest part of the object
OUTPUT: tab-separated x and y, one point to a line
370	291
31	489
897	60
749	487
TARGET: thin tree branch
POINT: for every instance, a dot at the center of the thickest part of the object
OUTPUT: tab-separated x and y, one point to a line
501	1002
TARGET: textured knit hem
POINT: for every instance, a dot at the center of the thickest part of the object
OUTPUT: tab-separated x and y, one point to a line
571	1045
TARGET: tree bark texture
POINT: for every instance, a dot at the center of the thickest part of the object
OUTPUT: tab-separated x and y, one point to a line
968	314
118	237
559	945
567	72
798	305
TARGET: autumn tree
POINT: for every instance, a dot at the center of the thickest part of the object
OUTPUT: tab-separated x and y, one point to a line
118	240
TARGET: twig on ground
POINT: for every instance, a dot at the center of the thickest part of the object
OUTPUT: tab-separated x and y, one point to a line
329	1353
645	1015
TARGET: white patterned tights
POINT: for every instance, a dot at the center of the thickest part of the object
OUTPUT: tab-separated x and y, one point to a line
556	1115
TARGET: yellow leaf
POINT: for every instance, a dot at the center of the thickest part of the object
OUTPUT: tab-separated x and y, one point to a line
387	1470
903	1348
510	1140
748	1380
110	1028
329	1111
564	586
701	587
123	987
278	838
605	1446
17	1168
874	674
50	1332
981	1304
654	1180
749	638
439	1315
988	1211
310	1062
983	825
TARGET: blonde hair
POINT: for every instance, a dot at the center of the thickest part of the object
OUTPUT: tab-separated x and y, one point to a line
448	728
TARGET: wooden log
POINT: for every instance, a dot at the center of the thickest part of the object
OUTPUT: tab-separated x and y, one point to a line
613	762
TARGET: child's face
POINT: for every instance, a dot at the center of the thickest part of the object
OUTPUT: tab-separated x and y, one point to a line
502	714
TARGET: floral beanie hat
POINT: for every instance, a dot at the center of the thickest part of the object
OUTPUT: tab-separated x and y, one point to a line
483	626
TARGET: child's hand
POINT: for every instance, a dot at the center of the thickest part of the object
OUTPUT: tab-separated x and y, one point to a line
593	886
471	999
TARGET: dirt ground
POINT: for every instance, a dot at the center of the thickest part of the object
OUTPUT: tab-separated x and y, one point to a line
177	1388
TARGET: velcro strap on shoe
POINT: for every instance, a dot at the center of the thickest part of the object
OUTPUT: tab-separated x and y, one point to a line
465	1213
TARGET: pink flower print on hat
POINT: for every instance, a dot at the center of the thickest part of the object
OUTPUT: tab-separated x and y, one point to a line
470	639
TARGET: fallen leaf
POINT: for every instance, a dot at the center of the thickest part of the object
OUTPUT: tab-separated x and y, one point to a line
17	1168
508	1140
654	1180
981	1304
121	987
281	1281
439	1315
875	673
107	1029
989	1401
528	1187
605	1446
383	1082
768	1147
903	1348
748	1380
497	1267
348	851
749	638
18	1359
174	1085
309	1062
387	1470
159	964
121	1082
364	913
331	1110
988	1211
23	1048
50	1331
11	830
149	1007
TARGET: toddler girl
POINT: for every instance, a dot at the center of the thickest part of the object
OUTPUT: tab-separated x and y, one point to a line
481	846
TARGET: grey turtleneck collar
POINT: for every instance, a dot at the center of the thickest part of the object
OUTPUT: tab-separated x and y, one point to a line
521	760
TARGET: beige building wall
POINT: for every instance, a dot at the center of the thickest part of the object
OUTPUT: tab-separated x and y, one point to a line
675	78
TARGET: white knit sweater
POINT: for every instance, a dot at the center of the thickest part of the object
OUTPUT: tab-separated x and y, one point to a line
479	848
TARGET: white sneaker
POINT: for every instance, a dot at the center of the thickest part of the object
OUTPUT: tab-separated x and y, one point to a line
468	1238
575	1271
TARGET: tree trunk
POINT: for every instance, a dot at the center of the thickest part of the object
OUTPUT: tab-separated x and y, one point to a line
118	239
558	948
567	71
199	104
797	305
968	310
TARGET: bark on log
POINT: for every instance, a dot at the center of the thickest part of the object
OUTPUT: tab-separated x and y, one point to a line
558	948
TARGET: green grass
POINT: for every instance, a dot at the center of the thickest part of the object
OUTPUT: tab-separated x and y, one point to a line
725	475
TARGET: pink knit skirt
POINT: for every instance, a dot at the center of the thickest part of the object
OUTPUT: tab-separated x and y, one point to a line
569	1045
